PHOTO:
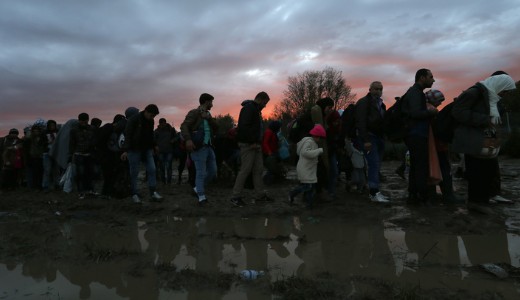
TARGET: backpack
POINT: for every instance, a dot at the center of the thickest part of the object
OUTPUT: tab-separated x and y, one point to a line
444	124
348	122
300	127
396	121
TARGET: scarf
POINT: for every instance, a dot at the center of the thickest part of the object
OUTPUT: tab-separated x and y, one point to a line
495	85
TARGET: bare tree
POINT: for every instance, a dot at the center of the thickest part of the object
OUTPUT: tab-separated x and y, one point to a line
303	90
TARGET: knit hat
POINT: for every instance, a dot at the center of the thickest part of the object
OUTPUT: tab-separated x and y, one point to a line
434	96
14	131
318	130
131	111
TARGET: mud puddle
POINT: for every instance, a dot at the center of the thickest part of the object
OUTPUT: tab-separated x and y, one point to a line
83	260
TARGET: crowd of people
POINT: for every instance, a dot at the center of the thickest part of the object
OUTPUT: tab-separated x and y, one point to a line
49	156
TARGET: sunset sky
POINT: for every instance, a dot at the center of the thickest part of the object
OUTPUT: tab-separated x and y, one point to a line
59	58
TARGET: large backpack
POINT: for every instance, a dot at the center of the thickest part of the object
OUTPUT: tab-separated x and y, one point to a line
300	127
396	121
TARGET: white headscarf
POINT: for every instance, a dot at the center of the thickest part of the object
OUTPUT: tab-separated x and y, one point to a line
495	85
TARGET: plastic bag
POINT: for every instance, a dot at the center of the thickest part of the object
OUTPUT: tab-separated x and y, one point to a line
66	179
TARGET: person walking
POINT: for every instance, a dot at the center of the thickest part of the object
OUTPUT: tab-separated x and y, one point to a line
419	117
370	112
139	146
249	137
307	167
198	131
478	134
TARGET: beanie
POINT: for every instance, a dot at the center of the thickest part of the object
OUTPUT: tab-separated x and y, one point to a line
14	131
318	130
434	96
131	111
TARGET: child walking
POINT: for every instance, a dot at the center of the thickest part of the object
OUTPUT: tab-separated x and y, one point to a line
307	167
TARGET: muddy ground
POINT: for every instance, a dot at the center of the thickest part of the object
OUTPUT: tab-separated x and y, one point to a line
29	230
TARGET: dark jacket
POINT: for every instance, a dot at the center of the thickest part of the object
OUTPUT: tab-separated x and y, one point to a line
81	140
471	110
415	109
249	129
139	133
193	121
368	118
163	136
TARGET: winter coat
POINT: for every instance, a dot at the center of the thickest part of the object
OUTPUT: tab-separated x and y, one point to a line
163	137
368	118
471	110
307	167
249	130
193	121
139	133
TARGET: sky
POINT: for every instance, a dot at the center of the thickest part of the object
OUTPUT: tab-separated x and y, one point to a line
59	58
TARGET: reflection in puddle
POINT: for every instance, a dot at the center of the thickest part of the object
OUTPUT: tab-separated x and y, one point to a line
282	247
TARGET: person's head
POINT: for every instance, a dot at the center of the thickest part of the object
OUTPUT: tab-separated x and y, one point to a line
95	122
262	98
13	132
131	111
150	111
83	119
118	118
51	126
326	104
318	132
424	77
206	101
434	97
501	84
376	89
162	122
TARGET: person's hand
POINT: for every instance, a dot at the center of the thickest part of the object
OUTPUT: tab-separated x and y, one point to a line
367	146
124	156
190	146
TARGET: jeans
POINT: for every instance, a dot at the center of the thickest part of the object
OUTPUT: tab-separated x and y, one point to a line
134	159
205	167
333	174
374	158
49	172
308	190
165	166
84	172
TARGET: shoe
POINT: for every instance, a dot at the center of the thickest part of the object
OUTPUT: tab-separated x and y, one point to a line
194	193
500	199
238	202
156	197
81	196
136	199
92	193
203	202
378	197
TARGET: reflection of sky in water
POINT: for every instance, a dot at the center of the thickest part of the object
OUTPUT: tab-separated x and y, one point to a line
230	245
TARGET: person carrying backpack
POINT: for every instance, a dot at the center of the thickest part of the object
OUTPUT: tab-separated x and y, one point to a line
418	121
370	111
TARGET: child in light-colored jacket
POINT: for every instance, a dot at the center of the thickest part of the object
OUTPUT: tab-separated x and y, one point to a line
307	167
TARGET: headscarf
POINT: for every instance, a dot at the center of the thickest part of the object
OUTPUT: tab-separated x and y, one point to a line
495	85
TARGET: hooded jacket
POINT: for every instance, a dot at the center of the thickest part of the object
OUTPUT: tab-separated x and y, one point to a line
307	167
249	129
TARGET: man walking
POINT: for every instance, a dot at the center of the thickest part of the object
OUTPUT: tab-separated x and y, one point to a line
249	137
198	129
419	118
139	145
370	111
